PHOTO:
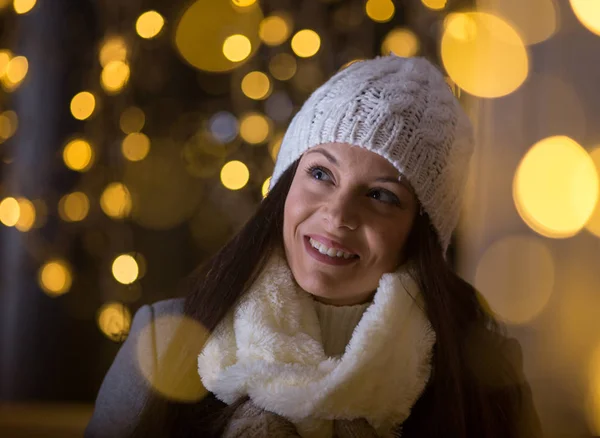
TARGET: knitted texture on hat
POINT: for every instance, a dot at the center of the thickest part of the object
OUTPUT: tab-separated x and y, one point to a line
403	110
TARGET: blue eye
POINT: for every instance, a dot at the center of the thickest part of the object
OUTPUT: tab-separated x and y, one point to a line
318	173
384	196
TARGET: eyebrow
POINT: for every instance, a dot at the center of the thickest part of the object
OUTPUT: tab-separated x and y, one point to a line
327	155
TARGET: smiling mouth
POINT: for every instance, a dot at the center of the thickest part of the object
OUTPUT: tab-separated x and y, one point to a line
331	252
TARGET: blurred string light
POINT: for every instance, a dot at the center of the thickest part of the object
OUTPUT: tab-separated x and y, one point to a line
535	20
516	276
555	188
114	321
83	105
9	211
436	5
401	42
254	128
588	13
483	54
223	127
135	146
593	224
5	57
275	144
243	3
125	269
115	201
306	43
15	72
55	277
205	21
275	29
115	76
256	85
41	213
132	120
74	207
78	155
26	215
283	66
9	122
380	11
265	187
23	6
149	24
113	48
235	175
279	107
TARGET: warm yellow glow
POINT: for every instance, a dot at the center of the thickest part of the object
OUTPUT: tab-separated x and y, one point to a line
4	3
82	105
235	175
216	36
283	66
125	269
114	76
256	85
436	5
588	13
5	57
149	24
114	320
116	201
132	120
9	212
17	69
380	11
78	155
243	3
236	48
113	49
306	43
254	128
265	187
516	276
26	215
593	398
483	54
136	146
55	278
593	224
74	207
274	145
23	6
555	188
9	122
274	30
401	42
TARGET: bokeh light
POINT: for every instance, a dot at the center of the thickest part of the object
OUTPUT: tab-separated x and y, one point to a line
114	321
136	146
82	105
9	211
113	48
483	54
5	57
588	13
254	128
282	66
243	3
115	76
516	276
55	277
235	175
435	5
380	11
306	43
593	224
16	70
115	201
125	269
9	122
149	24
223	126
26	215
265	187
275	29
256	85
23	6
205	21
78	155
555	188
74	207
401	42
132	120
279	106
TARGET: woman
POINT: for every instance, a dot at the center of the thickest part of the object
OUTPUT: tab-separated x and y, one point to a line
333	311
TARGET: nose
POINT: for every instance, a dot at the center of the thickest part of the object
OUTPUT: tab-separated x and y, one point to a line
340	211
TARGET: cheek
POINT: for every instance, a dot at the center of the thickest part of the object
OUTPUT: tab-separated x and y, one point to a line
389	241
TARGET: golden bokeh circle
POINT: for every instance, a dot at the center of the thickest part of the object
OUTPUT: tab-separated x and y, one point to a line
256	85
306	43
149	24
114	321
235	175
588	13
115	201
55	277
9	211
78	155
74	207
125	269
401	42
82	105
380	11
593	224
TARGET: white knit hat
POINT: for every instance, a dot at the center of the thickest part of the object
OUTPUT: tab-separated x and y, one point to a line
403	110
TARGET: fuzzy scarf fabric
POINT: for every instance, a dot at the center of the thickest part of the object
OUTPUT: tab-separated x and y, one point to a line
269	348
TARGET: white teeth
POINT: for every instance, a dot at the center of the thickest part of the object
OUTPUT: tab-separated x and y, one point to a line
331	252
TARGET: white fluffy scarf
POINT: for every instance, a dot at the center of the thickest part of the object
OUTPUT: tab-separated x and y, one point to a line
269	348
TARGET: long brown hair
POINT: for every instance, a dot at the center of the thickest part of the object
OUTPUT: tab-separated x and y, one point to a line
456	402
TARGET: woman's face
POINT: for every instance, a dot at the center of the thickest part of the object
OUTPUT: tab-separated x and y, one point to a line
347	218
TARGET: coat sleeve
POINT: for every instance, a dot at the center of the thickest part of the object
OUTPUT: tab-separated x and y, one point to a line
125	390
